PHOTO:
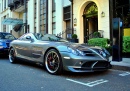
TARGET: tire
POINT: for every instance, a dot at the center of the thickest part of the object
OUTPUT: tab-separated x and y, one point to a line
53	62
12	55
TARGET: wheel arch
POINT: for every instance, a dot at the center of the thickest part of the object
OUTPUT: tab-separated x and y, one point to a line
48	50
10	48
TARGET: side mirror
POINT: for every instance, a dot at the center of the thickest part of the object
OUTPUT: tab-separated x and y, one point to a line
29	38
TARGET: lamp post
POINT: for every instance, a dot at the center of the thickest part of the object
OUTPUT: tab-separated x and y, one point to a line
25	16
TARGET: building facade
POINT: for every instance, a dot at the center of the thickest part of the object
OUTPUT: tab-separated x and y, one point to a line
91	16
6	12
59	17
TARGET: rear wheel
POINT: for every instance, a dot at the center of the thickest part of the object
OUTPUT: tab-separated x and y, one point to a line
53	62
12	55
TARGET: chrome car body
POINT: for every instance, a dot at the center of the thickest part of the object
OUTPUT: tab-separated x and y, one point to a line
5	39
58	54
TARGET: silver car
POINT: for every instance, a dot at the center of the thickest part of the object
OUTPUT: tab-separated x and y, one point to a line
58	54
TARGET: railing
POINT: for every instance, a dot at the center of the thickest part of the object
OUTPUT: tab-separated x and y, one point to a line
86	38
16	1
63	32
92	35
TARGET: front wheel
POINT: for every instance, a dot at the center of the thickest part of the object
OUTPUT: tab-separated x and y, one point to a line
53	62
12	55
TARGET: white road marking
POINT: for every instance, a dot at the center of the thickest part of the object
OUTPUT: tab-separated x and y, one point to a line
89	84
124	74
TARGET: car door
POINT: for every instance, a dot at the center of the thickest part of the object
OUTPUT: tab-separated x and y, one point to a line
24	47
37	49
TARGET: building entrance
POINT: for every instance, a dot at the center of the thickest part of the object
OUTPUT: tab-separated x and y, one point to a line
90	20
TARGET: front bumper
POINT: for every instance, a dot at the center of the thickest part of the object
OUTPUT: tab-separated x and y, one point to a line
75	63
4	51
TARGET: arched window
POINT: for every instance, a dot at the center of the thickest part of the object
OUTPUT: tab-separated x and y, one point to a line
91	10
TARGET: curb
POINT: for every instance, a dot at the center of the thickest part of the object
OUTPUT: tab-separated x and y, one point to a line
123	68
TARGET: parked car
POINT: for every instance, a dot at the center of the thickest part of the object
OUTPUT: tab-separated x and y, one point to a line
5	39
58	54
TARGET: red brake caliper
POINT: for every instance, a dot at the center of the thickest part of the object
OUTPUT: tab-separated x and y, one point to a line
49	62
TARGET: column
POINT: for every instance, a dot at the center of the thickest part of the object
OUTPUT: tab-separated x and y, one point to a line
59	16
50	16
38	16
30	15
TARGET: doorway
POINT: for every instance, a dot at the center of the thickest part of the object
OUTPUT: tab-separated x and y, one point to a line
90	21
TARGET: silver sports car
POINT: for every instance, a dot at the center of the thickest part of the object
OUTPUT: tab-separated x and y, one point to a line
58	54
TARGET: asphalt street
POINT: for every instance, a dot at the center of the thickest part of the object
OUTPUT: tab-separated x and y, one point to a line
24	76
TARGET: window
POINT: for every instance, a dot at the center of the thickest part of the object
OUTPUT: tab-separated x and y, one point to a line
4	26
67	13
53	17
35	16
5	4
43	15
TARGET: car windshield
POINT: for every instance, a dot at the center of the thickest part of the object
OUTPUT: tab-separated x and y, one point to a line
49	37
6	36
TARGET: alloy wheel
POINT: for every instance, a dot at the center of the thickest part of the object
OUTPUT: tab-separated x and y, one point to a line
12	55
53	62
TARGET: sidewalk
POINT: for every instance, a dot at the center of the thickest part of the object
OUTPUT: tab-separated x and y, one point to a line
123	65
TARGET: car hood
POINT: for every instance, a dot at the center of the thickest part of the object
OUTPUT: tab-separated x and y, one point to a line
6	40
82	47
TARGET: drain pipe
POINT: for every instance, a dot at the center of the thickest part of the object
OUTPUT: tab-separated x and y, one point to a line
72	16
25	16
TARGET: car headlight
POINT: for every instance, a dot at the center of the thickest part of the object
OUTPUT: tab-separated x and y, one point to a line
1	45
106	51
103	54
76	51
73	51
80	52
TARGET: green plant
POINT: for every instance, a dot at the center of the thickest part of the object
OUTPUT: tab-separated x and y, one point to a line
126	44
102	42
96	35
74	36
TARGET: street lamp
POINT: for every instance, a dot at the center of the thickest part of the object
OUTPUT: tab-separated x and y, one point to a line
102	14
75	22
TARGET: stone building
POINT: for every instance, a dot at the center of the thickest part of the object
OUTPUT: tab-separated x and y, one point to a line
59	17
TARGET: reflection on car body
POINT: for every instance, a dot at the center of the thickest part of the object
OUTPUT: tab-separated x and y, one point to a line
58	54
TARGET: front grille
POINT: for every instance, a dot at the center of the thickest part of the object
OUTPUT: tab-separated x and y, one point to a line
88	53
88	64
101	64
96	64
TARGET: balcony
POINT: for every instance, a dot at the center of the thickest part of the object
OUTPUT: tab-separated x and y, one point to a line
16	5
16	1
19	8
10	3
71	0
19	5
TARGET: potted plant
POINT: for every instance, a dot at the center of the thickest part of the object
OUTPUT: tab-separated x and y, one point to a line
96	34
74	38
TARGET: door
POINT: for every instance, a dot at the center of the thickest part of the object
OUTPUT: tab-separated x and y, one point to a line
23	48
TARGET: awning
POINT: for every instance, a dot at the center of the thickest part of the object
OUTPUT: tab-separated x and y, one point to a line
12	21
